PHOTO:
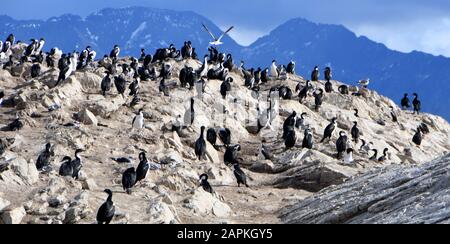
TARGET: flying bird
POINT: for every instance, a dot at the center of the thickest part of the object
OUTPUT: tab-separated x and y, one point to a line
217	41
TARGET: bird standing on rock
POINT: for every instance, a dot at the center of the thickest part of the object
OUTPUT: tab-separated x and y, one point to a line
240	175
405	102
416	104
45	157
329	130
143	167
128	180
107	210
205	184
106	84
138	121
200	145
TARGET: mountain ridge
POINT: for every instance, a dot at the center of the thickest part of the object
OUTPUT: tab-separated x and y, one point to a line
352	57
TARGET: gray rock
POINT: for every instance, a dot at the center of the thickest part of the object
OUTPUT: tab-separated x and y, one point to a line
3	204
14	216
392	195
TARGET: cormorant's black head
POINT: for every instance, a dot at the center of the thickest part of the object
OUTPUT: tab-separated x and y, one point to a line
230	79
108	191
342	133
48	146
237	147
274	61
349	150
406	95
202	128
415	94
334	120
142	156
294	113
78	151
203	177
66	159
355	122
386	150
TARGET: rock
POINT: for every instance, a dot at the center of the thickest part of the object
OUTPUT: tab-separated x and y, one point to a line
27	172
212	154
265	166
221	175
89	184
206	203
393	195
167	199
14	216
87	117
56	201
3	204
314	177
78	210
160	213
172	158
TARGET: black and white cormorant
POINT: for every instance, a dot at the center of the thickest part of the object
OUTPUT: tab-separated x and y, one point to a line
106	83
303	92
211	136
375	155
66	168
355	132
240	175
143	167
307	139
121	84
77	164
417	138
45	157
343	89
200	145
225	136
205	184
189	115
225	87
385	156
290	139
393	114
290	69
107	210
416	103
289	124
318	99
315	74
329	130
341	144
231	154
115	52
128	180
328	76
406	104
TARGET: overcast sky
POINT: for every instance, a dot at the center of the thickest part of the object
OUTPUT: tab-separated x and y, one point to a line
403	25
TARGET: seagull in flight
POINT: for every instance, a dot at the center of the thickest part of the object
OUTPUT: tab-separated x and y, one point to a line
217	41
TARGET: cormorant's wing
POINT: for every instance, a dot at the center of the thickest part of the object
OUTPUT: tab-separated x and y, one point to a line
207	30
220	38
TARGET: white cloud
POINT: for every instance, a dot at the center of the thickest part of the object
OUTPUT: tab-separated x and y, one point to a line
430	35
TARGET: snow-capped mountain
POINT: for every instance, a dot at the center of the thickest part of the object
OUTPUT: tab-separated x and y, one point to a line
352	58
131	28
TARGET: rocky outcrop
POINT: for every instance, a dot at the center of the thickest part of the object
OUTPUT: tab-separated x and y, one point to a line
392	195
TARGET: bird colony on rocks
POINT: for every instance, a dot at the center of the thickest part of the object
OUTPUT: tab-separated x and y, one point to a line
170	137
